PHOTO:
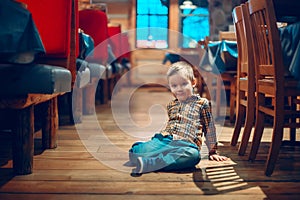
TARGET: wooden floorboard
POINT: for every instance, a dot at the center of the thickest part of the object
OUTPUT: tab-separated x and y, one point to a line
91	161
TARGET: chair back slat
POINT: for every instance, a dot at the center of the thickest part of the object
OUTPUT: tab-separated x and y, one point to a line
227	35
244	42
266	70
270	81
267	44
95	23
241	43
245	95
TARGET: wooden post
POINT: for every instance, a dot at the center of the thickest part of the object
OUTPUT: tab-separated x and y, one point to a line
102	91
89	93
23	146
77	104
50	124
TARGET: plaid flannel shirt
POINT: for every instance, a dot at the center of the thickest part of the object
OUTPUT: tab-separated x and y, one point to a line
191	119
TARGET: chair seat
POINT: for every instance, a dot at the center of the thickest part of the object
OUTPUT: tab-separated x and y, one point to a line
33	78
101	71
288	83
97	70
83	77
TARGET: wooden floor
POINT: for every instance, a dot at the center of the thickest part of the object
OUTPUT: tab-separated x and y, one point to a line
91	161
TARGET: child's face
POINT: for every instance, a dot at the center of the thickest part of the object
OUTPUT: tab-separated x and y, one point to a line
181	87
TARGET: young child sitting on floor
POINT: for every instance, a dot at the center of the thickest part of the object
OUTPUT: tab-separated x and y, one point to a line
178	145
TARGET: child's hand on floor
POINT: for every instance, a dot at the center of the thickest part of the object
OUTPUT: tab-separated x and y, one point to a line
217	157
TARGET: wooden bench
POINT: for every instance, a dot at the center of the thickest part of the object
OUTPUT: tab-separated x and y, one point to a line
57	22
121	52
94	22
27	88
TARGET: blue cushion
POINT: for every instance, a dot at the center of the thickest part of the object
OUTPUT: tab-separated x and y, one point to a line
33	78
83	77
97	70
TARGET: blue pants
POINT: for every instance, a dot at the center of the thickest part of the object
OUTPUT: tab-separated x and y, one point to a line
164	153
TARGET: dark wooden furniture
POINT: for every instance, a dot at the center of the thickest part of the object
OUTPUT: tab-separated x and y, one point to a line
29	91
245	98
61	44
94	22
218	70
271	80
228	77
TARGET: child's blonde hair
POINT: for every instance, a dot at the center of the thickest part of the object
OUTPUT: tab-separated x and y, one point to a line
183	68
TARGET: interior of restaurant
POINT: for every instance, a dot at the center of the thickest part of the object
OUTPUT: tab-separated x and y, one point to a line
83	80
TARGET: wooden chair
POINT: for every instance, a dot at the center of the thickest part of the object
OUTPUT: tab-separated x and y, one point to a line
86	44
271	81
228	78
210	82
60	42
95	23
225	80
245	80
29	97
62	47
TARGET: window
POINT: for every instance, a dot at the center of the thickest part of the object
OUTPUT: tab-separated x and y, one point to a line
152	23
194	23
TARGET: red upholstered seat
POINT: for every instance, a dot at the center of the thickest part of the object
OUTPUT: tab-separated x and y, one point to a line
94	23
53	19
57	22
58	26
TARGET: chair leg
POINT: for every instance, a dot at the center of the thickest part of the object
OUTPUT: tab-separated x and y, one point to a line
65	109
77	104
23	145
257	135
102	91
50	125
232	99
89	93
247	129
259	128
238	124
275	146
218	96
